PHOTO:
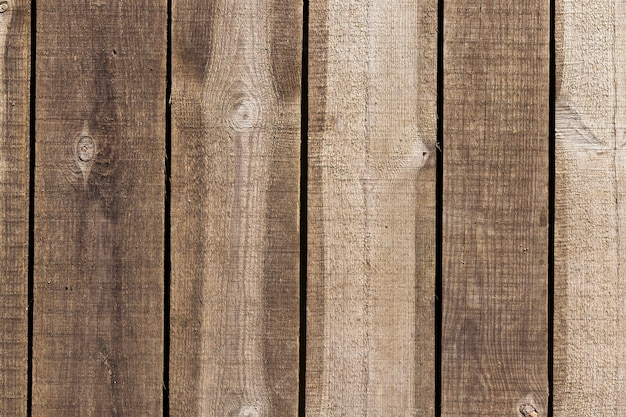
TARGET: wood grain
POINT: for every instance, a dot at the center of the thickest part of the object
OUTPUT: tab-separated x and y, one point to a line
14	194
495	207
372	169
590	316
235	193
100	131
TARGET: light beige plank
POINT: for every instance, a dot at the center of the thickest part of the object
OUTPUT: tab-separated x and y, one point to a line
590	212
370	342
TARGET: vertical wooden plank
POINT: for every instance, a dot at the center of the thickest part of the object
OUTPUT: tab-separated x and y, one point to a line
495	208
235	193
590	316
98	320
372	86
14	192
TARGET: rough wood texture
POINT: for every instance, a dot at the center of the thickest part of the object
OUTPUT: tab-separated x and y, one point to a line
495	206
372	87
14	178
98	325
590	315
235	193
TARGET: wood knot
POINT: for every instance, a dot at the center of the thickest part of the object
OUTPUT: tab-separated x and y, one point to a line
249	411
85	152
4	6
528	410
245	115
86	148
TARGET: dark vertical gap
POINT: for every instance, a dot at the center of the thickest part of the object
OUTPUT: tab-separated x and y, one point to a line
304	164
551	186
439	217
31	209
167	223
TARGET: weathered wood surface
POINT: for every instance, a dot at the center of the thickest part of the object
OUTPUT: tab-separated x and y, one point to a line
14	180
495	208
590	313
371	225
235	192
98	268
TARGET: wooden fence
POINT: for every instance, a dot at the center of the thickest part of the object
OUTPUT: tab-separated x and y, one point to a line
264	208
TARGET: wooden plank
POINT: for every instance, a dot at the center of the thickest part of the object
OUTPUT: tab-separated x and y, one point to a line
235	207
98	319
589	311
14	194
495	208
372	147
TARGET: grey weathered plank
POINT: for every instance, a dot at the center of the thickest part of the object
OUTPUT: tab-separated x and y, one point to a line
235	193
14	191
372	160
99	193
589	310
495	208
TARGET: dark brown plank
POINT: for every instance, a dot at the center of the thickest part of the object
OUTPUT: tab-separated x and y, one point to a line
100	131
495	223
14	179
371	213
235	192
